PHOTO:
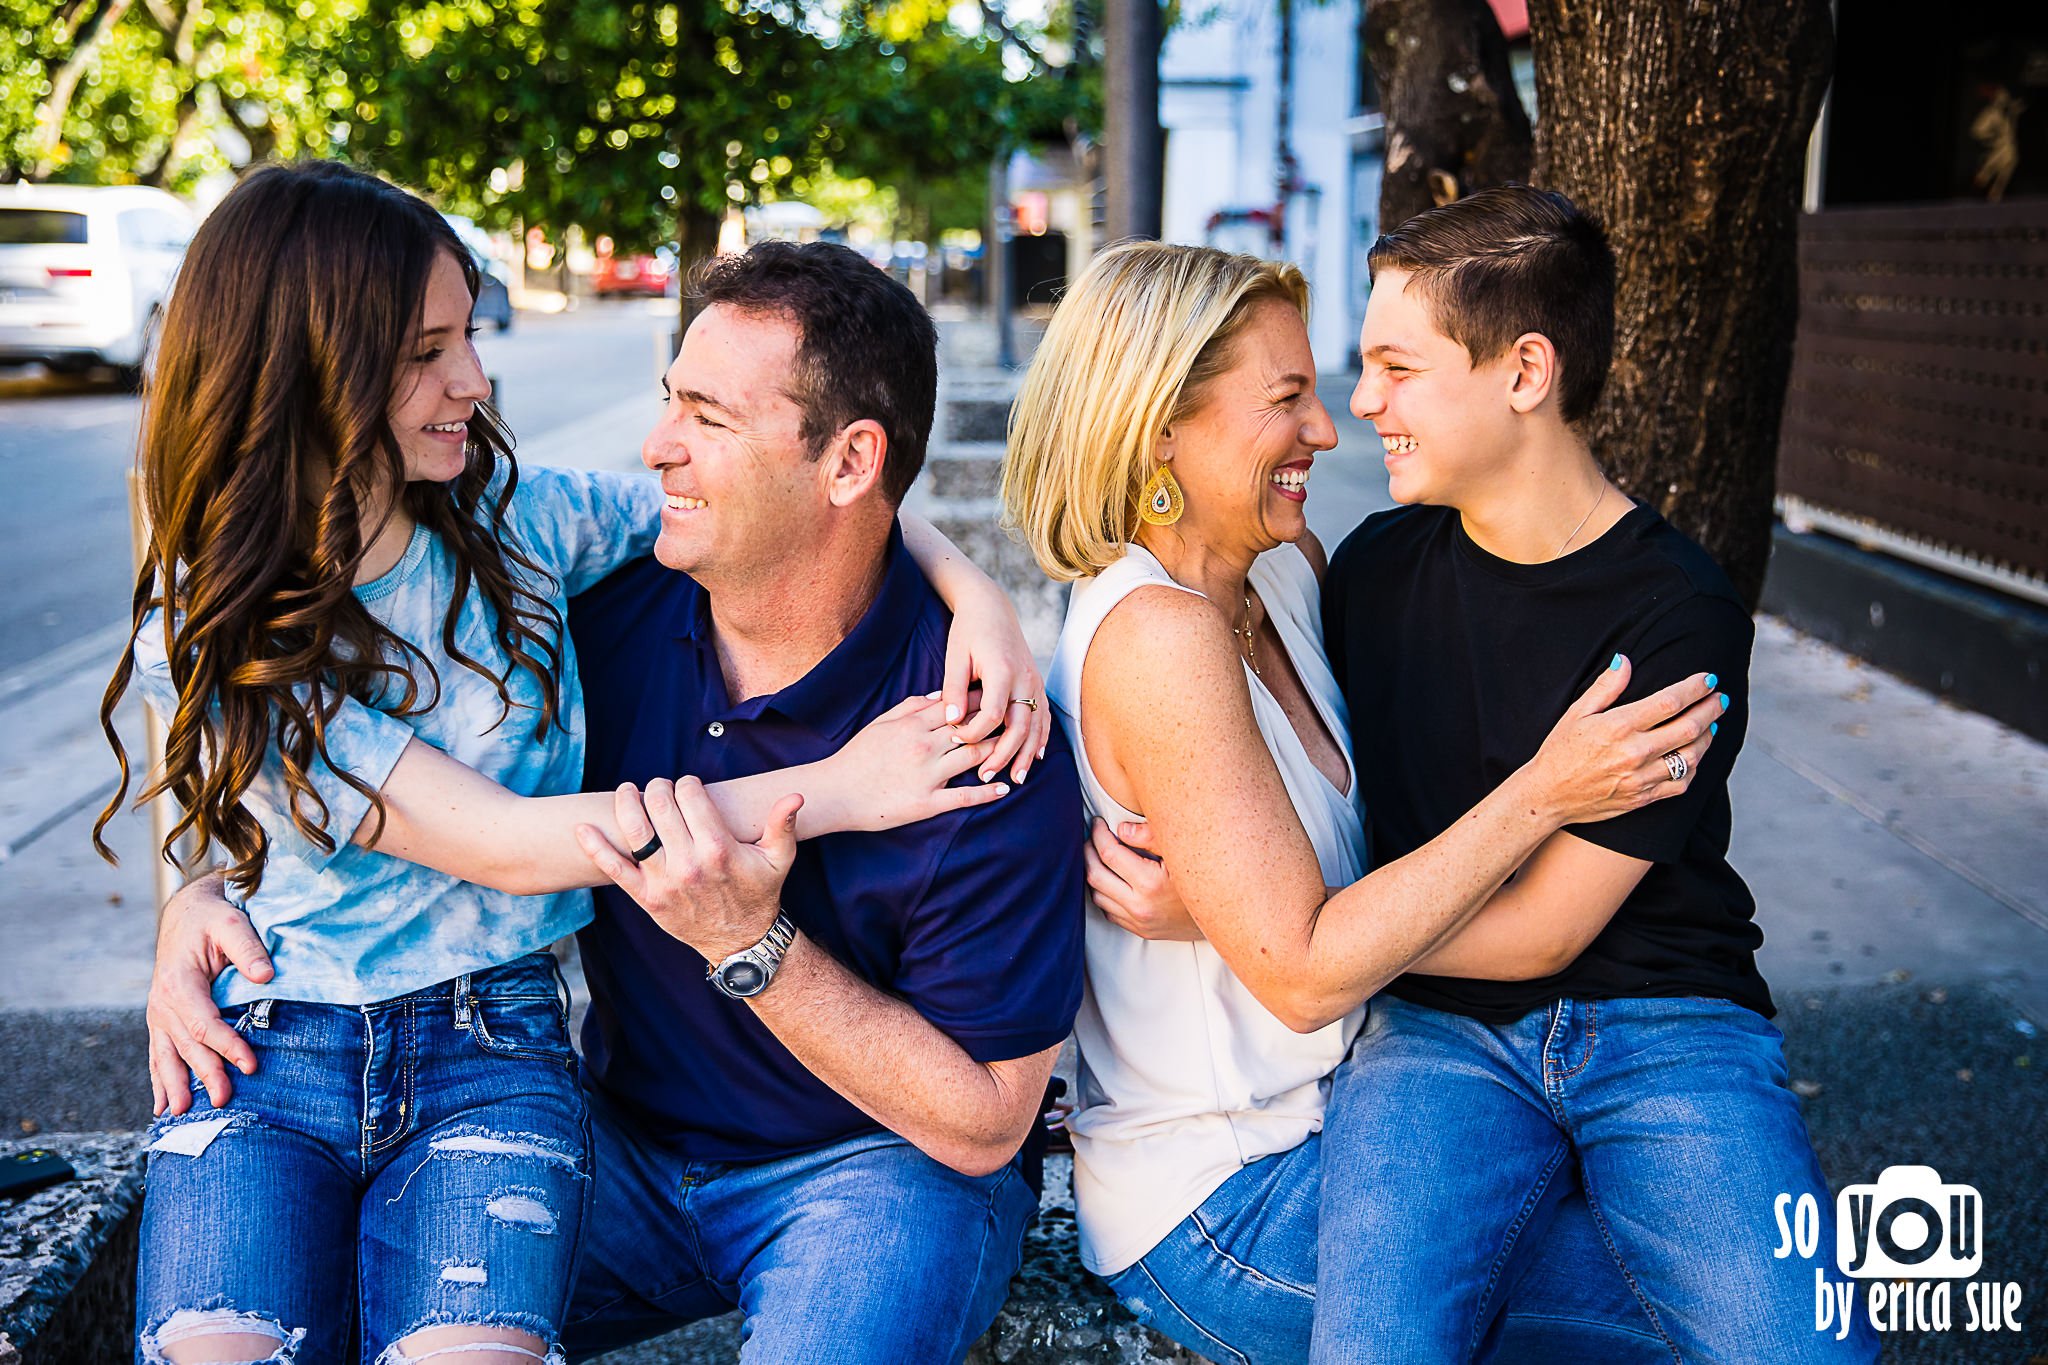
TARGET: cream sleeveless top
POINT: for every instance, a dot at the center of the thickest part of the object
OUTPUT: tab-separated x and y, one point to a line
1185	1076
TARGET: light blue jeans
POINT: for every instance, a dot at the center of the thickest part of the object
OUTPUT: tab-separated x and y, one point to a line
388	1168
1237	1280
864	1251
1454	1150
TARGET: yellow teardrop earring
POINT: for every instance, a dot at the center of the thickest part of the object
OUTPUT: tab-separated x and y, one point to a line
1161	503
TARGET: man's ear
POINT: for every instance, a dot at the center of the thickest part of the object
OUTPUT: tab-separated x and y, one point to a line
1533	371
852	464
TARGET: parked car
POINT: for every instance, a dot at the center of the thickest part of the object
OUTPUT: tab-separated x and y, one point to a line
493	294
493	290
648	275
84	273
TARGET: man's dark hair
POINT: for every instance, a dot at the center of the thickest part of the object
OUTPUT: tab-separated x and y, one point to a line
1509	261
866	347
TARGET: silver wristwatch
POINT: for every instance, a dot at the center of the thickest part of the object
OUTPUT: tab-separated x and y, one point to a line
749	971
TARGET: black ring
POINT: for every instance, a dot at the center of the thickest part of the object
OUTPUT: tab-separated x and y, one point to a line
647	850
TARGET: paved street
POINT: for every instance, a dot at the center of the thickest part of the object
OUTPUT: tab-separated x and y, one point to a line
66	447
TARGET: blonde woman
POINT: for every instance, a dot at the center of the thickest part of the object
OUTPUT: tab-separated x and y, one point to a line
1160	454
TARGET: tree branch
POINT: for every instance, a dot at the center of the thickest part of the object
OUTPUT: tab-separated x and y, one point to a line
64	84
163	16
995	19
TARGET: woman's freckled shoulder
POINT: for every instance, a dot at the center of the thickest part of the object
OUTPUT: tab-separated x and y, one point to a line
1161	639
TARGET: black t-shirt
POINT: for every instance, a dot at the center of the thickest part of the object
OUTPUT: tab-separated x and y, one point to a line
1456	664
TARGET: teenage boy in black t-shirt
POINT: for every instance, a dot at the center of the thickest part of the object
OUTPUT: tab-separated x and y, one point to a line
1600	1022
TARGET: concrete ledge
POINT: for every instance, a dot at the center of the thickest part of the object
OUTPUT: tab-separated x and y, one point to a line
1058	1313
953	475
976	418
67	1255
1976	647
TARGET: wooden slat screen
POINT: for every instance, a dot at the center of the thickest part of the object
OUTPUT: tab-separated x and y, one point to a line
1919	395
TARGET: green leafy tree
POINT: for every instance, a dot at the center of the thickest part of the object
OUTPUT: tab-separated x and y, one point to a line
161	91
646	120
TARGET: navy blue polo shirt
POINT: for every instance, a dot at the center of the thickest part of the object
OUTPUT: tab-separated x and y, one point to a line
973	918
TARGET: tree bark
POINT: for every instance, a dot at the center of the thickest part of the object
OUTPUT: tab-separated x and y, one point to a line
1683	127
1133	145
696	242
1454	123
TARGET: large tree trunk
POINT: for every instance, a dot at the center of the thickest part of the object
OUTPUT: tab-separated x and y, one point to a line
1133	145
1454	124
696	242
1683	126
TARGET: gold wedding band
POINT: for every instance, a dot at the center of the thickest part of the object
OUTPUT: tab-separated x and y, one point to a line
1031	702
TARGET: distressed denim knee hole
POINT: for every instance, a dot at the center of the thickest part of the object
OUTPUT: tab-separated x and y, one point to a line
498	1340
192	1325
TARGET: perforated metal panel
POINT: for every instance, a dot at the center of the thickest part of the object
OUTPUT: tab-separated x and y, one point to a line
1919	395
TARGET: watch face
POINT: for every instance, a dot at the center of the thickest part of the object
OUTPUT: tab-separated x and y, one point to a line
744	978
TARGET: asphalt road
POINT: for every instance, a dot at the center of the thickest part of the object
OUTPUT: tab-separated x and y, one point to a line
67	445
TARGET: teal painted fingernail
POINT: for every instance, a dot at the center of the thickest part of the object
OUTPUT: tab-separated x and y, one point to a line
1724	701
1715	728
1711	681
1614	663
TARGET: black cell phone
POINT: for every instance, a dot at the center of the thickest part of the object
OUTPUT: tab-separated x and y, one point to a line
23	1173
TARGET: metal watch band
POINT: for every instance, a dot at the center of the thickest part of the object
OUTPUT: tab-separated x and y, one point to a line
750	971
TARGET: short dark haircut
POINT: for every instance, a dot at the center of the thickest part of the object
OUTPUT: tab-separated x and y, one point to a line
866	347
1505	262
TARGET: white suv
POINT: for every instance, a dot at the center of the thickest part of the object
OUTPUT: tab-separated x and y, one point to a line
84	271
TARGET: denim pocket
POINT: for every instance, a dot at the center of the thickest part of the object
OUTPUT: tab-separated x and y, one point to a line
522	1025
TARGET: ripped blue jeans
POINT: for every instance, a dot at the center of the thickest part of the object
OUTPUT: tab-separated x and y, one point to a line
418	1163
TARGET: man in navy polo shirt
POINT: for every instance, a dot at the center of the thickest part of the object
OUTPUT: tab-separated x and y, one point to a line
825	1133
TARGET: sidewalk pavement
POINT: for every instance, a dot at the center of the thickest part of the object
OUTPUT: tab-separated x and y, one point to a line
1895	845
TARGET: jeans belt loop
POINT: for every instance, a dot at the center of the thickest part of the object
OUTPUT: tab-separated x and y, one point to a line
463	1001
259	1014
561	983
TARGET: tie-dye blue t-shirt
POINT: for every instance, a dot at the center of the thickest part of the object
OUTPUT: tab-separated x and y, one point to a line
352	927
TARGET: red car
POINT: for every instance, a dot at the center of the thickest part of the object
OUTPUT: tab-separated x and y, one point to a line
631	275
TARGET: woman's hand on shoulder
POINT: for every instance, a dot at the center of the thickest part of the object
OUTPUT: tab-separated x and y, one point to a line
986	645
1603	760
896	770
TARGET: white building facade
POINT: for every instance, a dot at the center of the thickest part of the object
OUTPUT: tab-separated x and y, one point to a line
1221	95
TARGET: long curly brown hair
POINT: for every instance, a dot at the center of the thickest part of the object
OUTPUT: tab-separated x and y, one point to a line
265	452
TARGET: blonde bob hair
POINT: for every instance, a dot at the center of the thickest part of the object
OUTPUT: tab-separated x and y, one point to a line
1130	351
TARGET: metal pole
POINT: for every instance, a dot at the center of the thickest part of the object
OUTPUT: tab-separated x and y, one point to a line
1001	229
1286	170
1132	141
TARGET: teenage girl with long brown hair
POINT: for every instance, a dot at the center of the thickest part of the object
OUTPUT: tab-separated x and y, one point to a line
351	618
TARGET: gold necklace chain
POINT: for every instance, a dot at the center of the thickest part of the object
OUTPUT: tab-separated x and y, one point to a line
1251	648
1582	522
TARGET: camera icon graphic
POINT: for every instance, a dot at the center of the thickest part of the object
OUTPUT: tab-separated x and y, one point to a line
1909	1225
